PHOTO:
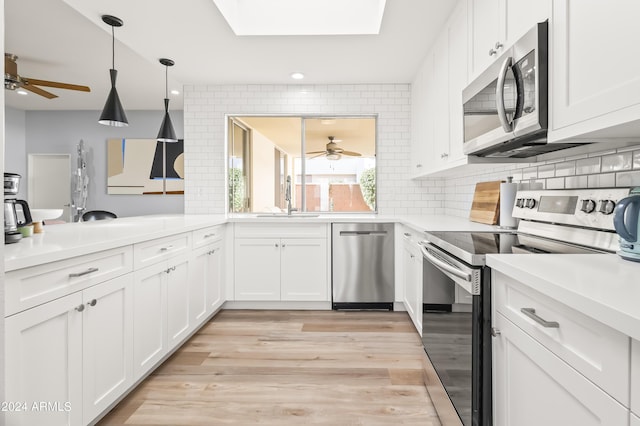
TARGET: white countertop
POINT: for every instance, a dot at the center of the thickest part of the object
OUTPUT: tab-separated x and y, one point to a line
602	286
75	239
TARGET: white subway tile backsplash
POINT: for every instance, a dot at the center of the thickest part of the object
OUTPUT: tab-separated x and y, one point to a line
555	183
546	171
636	159
530	173
574	182
604	180
617	162
588	166
628	178
567	168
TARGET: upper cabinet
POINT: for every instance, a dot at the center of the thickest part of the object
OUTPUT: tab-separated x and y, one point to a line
594	73
495	24
437	139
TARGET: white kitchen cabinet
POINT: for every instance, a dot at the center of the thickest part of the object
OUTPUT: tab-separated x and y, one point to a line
74	352
635	376
205	282
591	96
532	386
281	265
150	317
412	277
107	336
178	301
634	420
421	124
303	269
494	25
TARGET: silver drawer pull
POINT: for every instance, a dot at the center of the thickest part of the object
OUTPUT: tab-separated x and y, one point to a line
92	302
79	274
166	248
209	235
80	308
531	313
406	234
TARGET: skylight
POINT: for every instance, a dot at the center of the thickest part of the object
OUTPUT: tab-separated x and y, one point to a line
302	17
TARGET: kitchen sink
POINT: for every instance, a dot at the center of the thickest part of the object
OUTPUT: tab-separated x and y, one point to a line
286	215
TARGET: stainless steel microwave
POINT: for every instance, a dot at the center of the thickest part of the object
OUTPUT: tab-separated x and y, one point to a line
505	108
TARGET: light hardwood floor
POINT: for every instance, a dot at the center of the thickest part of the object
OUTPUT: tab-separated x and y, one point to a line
288	368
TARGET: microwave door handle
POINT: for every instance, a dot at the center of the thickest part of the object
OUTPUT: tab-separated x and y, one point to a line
502	111
444	266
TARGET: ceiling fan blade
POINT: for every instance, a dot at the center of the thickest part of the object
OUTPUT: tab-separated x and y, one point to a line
351	153
316	156
38	91
316	152
57	84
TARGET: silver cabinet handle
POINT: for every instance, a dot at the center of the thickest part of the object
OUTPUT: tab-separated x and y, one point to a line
79	274
210	252
531	313
498	45
418	165
209	236
495	332
492	52
92	302
276	244
406	234
168	270
166	248
80	308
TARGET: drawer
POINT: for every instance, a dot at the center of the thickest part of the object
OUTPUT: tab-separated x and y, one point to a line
411	235
29	287
594	349
205	236
289	230
154	251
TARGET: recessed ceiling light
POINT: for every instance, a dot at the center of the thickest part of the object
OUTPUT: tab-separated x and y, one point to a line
297	75
311	17
22	92
175	92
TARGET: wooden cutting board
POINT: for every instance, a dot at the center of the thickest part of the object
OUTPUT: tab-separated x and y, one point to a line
486	203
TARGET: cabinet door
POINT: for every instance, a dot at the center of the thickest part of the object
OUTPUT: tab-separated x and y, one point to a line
215	283
519	16
412	280
149	318
589	37
257	269
635	420
458	73
107	336
178	301
198	277
419	117
533	387
440	98
484	32
44	364
303	269
635	376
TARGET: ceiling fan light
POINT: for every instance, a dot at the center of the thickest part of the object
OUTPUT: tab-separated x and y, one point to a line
333	156
113	114
167	133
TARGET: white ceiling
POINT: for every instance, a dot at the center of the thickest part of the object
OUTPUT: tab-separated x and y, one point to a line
66	40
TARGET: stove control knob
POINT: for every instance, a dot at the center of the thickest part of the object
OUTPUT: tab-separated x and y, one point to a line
588	206
530	203
520	202
607	206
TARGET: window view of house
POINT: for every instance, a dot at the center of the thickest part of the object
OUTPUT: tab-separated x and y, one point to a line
331	162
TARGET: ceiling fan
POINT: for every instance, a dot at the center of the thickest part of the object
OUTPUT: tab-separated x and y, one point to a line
13	81
333	151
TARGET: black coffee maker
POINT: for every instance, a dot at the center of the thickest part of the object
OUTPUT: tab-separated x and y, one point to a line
16	212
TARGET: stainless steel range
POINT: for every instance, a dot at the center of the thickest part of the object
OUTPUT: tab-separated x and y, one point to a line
457	337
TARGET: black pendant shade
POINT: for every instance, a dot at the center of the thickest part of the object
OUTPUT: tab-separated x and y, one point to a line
113	114
166	133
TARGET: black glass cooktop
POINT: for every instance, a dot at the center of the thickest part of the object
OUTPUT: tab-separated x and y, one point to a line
481	243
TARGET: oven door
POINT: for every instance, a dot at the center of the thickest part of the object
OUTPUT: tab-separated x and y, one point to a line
457	342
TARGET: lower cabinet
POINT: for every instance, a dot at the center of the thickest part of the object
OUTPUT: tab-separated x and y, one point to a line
205	283
533	387
161	311
412	280
69	358
271	268
635	420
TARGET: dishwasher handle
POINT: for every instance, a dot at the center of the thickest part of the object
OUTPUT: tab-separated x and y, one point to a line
444	266
358	233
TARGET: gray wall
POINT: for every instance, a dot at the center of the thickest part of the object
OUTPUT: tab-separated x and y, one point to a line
59	132
15	159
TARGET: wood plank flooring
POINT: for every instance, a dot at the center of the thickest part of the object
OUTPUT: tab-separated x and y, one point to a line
288	368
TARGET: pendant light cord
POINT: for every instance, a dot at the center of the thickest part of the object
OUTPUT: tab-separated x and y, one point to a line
113	49
166	81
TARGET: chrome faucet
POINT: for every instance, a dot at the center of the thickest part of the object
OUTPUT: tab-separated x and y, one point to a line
287	197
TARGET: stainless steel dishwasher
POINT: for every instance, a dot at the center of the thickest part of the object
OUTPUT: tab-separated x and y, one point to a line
362	259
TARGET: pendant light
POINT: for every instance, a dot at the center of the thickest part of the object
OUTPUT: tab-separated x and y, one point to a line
166	133
113	113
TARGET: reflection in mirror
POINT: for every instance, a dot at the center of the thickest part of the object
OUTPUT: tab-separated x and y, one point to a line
336	173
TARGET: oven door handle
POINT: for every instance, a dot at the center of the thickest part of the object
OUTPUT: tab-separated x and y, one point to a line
444	266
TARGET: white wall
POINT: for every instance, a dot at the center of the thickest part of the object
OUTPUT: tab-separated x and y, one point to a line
204	114
15	159
606	168
58	132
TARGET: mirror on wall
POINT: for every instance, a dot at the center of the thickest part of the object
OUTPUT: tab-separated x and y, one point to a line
331	162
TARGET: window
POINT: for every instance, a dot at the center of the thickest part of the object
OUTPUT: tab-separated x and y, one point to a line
331	162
